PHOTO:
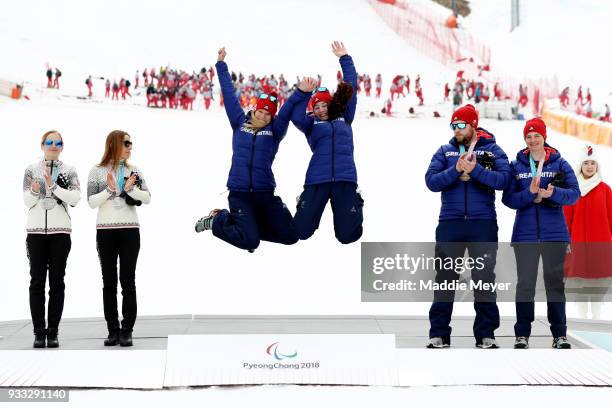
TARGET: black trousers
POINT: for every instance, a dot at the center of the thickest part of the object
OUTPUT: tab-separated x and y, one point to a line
122	243
527	260
47	252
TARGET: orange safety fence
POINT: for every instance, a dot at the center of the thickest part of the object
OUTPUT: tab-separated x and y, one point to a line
583	128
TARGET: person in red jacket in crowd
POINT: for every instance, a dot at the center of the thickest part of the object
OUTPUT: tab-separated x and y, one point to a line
122	88
606	116
339	76
523	99
589	222
145	75
126	86
564	97
89	84
49	77
497	94
58	74
589	99
579	97
486	94
408	83
115	91
388	106
446	92
207	94
378	84
392	89
459	76
419	94
107	85
367	85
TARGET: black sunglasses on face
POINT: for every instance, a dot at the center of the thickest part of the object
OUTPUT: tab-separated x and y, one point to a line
127	143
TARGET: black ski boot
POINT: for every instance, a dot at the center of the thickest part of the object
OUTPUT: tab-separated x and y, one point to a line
40	338
52	341
125	338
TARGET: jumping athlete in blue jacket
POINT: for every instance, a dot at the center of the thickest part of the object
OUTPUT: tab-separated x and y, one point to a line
540	230
467	220
255	213
331	174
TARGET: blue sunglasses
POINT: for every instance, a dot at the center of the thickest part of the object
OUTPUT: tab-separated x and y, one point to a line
266	96
458	125
58	143
321	89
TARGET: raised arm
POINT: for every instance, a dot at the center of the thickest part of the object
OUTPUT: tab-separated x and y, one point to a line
300	119
233	109
349	75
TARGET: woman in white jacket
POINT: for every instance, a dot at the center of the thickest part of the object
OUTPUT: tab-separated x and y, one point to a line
116	188
49	187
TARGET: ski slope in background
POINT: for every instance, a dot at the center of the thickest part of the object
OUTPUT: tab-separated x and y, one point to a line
185	156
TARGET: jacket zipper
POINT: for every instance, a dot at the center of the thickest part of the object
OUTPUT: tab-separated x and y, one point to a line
47	211
333	151
251	163
537	206
465	212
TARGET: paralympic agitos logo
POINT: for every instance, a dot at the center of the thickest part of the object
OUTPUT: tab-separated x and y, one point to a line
272	350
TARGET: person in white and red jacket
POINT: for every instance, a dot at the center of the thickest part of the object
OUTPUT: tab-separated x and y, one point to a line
589	221
49	188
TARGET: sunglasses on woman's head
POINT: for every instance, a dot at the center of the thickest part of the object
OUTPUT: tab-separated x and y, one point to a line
58	143
321	89
127	143
458	125
266	96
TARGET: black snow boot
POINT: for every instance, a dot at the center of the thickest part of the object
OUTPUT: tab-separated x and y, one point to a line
125	338
113	338
52	341
40	338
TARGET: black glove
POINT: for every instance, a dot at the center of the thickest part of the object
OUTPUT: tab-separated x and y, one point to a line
486	160
557	181
62	181
129	200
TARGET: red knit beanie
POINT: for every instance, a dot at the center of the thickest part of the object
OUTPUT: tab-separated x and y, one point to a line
320	96
535	125
468	114
267	104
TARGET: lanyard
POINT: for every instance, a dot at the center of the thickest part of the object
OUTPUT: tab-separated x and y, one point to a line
534	172
121	172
